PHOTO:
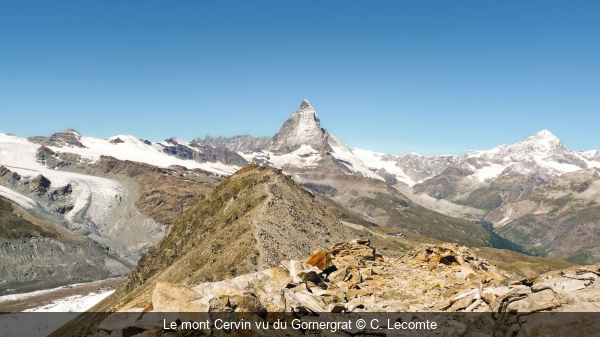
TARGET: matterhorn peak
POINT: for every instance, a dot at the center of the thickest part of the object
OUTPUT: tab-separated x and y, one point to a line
302	128
307	110
305	105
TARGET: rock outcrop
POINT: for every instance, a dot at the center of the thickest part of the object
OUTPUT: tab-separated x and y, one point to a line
67	138
354	278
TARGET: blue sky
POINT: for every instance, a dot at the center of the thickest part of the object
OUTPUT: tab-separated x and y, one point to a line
432	77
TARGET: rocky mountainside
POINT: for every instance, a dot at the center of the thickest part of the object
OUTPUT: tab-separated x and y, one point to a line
303	128
251	221
66	138
242	143
36	253
352	280
201	153
559	220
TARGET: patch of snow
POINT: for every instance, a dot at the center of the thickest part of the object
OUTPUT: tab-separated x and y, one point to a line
377	161
559	167
248	156
488	172
76	303
305	156
34	323
342	152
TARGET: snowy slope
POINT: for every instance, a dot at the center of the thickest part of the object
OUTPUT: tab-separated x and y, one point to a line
91	194
76	303
341	152
135	149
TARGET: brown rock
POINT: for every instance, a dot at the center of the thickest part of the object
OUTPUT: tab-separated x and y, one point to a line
167	297
321	260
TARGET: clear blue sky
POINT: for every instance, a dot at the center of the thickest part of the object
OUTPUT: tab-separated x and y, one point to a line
393	76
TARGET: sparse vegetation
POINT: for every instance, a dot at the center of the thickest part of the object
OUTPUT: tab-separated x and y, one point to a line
14	227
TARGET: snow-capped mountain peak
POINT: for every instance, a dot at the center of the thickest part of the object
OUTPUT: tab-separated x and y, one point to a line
544	134
305	105
541	152
540	145
542	142
302	128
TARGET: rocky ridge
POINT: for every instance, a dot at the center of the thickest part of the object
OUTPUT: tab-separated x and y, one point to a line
66	138
201	153
252	220
242	143
354	278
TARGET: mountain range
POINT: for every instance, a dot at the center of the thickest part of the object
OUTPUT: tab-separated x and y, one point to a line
239	253
122	194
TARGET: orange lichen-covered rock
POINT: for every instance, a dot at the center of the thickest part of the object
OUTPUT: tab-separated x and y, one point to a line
320	259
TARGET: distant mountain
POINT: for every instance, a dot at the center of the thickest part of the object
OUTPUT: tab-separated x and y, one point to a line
242	143
408	169
534	183
115	209
303	143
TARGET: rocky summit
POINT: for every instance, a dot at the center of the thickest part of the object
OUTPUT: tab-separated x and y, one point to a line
353	278
302	128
